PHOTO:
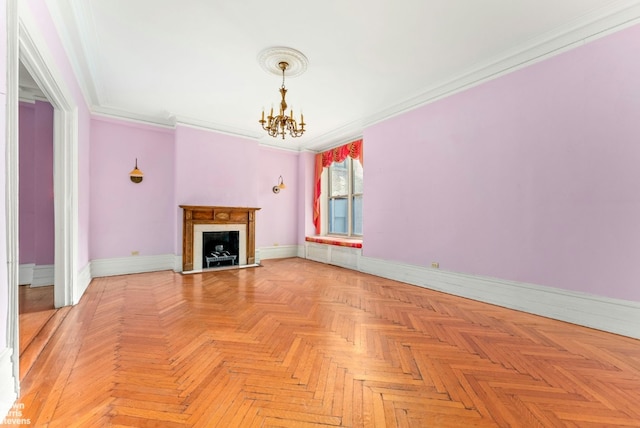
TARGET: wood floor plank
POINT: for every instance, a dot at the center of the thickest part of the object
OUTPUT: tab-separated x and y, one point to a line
299	343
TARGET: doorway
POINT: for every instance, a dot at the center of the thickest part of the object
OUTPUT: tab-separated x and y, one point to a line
36	197
27	47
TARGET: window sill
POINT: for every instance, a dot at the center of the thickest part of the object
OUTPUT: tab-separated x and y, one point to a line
333	240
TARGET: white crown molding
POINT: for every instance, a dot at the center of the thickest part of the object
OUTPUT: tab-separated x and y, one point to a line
128	116
610	18
587	29
278	144
73	20
590	27
216	127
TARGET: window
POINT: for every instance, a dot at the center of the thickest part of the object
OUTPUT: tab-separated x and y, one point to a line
345	198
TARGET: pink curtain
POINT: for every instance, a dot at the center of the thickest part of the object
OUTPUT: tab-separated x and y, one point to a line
325	159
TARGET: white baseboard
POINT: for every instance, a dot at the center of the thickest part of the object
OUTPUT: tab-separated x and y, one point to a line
612	315
84	279
133	264
25	273
177	263
43	275
277	252
8	394
36	275
346	257
602	313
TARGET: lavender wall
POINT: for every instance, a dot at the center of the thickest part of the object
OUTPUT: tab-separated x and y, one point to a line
276	222
37	233
531	177
306	172
27	184
213	169
125	216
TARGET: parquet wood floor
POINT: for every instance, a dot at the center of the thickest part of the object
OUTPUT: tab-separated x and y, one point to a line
301	344
35	307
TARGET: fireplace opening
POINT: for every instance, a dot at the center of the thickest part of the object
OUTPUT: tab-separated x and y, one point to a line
220	248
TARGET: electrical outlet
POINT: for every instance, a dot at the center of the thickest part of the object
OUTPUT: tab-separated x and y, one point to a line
135	253
435	265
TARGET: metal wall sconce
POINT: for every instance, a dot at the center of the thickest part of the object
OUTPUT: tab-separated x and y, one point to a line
136	175
277	188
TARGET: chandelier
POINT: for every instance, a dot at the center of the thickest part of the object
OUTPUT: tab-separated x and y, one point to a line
282	123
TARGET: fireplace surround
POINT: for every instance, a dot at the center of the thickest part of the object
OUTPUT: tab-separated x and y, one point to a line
199	218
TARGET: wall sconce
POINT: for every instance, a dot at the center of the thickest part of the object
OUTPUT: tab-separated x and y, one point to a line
277	188
136	174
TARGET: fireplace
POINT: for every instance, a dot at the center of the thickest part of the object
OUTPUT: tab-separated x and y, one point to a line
205	229
220	248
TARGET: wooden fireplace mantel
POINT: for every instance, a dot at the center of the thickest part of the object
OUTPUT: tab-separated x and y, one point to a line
198	214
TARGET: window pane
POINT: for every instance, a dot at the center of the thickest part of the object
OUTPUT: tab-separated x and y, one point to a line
338	215
356	225
339	179
357	176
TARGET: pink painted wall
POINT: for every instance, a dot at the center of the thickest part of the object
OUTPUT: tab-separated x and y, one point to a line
277	222
306	171
36	217
530	177
125	216
213	169
27	184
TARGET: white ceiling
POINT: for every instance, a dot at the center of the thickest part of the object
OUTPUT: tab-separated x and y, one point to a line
195	61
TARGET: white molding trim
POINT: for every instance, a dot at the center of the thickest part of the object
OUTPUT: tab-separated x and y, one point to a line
177	263
589	27
598	23
35	55
277	252
133	264
43	275
346	257
25	273
84	279
602	313
10	357
8	394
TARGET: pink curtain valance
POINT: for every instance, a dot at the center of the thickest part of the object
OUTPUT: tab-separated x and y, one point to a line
325	159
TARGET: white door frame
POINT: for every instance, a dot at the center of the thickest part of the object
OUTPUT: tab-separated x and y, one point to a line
33	53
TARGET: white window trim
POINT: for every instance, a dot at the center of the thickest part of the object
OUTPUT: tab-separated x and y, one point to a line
324	206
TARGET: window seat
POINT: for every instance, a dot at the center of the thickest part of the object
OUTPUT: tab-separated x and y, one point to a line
334	240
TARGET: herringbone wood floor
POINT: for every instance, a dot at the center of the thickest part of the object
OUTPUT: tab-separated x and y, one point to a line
296	343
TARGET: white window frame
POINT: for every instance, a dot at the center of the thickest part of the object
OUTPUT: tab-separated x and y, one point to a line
326	195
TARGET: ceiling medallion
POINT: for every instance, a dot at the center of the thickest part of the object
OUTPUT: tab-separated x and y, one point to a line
270	58
280	60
